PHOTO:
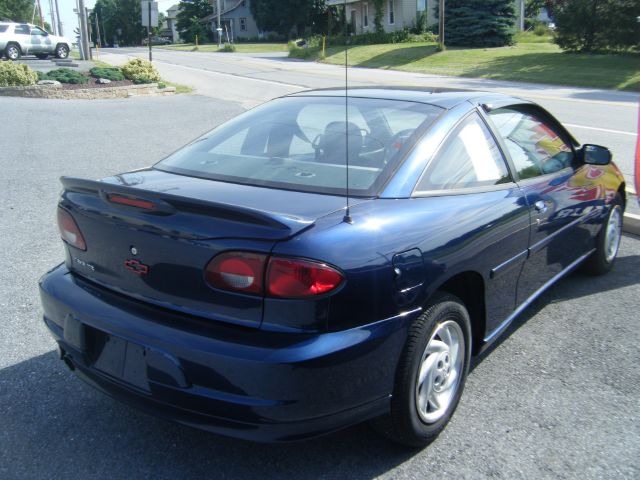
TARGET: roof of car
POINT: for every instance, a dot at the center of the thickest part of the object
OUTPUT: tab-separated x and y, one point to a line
441	97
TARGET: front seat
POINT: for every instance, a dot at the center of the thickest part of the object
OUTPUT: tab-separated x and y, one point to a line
333	143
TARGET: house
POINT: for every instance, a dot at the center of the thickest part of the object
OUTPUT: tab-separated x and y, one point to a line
398	14
169	28
236	20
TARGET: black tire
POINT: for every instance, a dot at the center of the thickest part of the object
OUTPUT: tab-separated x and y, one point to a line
12	52
607	241
405	424
62	51
42	56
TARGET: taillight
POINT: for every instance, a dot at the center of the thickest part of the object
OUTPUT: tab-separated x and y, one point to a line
237	271
285	277
69	230
295	278
131	201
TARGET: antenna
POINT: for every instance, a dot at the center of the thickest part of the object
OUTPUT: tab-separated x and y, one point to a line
347	214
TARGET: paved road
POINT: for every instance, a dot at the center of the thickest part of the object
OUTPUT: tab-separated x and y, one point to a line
557	398
594	116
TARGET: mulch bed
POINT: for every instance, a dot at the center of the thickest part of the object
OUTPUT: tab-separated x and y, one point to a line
93	84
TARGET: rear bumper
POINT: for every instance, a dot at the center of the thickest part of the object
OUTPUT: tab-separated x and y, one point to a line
240	382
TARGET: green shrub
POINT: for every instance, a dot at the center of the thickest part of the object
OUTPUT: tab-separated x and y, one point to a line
540	30
110	73
228	47
16	74
140	71
65	75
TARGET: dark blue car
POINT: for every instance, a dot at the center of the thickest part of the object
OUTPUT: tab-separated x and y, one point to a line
253	285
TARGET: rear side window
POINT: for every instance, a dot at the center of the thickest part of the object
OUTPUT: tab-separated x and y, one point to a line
535	147
302	143
22	30
3	28
470	158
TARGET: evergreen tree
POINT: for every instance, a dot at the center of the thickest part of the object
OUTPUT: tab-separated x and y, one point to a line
479	23
597	25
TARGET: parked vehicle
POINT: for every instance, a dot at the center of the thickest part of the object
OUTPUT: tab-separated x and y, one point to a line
253	285
17	39
157	41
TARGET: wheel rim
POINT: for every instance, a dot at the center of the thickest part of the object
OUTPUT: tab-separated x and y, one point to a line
440	372
612	234
12	52
62	51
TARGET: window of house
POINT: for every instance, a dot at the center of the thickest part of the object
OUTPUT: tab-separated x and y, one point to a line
243	24
365	15
392	14
535	147
469	158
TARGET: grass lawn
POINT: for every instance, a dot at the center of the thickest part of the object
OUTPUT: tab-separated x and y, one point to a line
534	59
240	47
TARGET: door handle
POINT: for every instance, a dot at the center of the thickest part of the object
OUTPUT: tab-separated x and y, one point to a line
540	206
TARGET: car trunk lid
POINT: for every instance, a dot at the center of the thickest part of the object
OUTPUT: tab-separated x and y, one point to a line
150	235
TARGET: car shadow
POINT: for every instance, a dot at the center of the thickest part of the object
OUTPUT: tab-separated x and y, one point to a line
55	426
574	286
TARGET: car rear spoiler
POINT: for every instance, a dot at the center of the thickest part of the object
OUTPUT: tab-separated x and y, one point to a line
161	203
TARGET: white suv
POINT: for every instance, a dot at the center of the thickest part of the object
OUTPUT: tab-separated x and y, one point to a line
18	39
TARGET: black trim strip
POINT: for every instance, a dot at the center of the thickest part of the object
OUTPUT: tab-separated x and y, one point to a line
503	326
509	264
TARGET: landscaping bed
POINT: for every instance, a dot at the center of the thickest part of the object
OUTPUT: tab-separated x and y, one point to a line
136	77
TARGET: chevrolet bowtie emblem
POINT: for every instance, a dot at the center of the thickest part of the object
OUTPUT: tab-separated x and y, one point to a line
136	267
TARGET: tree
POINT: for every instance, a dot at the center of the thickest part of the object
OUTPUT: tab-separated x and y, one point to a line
597	25
480	23
188	20
378	6
288	17
16	10
119	21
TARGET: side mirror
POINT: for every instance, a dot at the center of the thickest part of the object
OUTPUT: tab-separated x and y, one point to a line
595	155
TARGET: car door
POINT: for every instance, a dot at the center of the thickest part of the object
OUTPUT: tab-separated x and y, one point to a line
487	219
40	42
544	160
23	36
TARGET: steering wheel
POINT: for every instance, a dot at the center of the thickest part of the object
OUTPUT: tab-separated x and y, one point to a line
395	143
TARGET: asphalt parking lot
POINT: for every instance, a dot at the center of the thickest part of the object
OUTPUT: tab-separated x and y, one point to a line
557	397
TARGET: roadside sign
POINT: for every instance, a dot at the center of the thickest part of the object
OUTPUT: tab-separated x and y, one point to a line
145	5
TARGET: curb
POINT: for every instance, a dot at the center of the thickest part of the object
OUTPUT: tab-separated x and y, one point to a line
631	222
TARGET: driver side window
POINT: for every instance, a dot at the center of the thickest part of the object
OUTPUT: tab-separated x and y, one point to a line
535	147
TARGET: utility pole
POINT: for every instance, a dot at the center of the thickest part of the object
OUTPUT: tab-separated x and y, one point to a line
60	32
441	26
219	29
98	38
84	32
40	12
53	18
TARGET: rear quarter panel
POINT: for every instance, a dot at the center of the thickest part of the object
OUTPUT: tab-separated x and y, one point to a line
457	233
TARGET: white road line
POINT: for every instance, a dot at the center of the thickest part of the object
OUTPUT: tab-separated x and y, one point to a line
619	132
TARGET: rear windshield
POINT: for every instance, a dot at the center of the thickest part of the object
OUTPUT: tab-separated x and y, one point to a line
3	28
302	143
